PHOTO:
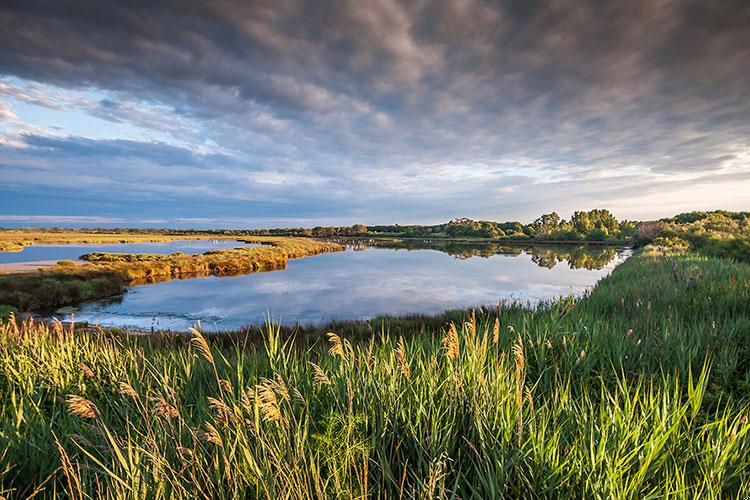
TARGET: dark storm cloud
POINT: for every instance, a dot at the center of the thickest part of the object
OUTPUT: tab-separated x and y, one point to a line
382	98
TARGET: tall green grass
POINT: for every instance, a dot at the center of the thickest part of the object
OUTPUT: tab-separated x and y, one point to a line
640	389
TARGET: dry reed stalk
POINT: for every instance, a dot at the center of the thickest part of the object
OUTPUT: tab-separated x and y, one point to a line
401	358
198	341
222	413
337	346
128	390
529	399
496	331
225	385
267	402
186	455
85	370
211	435
71	475
472	325
162	408
350	397
451	343
82	407
298	396
319	376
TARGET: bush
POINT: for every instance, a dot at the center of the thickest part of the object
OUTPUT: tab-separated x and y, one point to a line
6	311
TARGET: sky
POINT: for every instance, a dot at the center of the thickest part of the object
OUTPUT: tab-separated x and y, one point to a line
286	113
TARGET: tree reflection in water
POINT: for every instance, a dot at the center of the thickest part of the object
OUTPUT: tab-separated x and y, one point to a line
548	256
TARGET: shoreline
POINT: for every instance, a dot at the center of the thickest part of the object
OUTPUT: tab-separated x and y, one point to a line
487	241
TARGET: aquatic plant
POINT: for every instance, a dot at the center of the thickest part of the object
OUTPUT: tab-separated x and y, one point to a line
638	389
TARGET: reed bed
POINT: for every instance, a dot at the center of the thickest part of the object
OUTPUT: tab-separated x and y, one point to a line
639	389
108	274
14	240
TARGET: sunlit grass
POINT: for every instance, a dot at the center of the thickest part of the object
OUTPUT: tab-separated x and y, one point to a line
16	239
640	389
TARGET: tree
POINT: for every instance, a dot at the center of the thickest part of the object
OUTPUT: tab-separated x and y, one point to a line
546	224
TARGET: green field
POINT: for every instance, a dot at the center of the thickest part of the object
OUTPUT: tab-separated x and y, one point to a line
640	389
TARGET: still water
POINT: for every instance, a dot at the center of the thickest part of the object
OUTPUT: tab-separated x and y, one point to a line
45	253
358	284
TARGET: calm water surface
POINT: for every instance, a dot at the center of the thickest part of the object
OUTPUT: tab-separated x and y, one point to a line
41	253
358	285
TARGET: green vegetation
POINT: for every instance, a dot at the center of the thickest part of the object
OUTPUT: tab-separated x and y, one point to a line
717	234
48	290
594	225
107	275
639	389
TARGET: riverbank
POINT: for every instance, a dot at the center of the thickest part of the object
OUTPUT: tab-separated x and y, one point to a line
640	388
14	240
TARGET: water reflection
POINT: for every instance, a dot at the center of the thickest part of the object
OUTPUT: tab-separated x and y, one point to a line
373	280
575	256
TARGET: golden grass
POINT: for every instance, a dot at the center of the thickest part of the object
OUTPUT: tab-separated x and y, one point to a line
14	240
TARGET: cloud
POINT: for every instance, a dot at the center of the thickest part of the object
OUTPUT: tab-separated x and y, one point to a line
502	109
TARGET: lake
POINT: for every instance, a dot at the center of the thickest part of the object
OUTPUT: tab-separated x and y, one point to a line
364	281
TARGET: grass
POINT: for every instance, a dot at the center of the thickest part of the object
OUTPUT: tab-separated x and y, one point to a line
14	240
639	389
108	274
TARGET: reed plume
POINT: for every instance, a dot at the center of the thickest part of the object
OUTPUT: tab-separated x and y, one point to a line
82	407
337	347
451	343
85	370
223	414
212	435
128	390
163	408
199	343
267	402
298	396
471	325
225	385
319	376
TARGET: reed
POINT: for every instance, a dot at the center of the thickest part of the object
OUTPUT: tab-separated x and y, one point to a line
641	388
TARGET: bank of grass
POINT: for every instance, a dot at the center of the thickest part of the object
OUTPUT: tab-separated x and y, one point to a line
13	240
640	389
108	274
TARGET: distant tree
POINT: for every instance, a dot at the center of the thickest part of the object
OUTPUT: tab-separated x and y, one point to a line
359	229
585	222
546	224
